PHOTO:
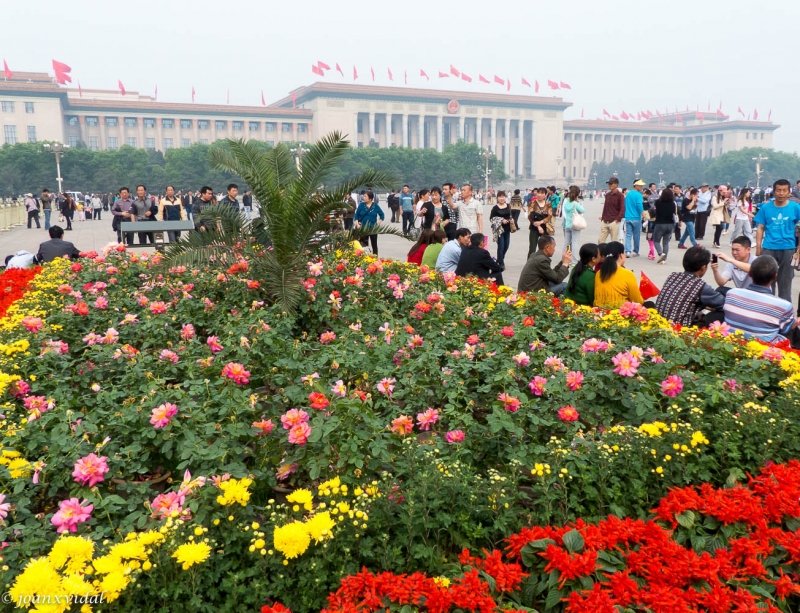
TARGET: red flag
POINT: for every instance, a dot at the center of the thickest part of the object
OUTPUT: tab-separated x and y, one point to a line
263	102
121	87
443	75
525	82
720	113
482	79
454	71
769	117
647	288
638	116
552	84
372	72
699	115
317	70
355	73
720	104
565	85
323	66
508	85
536	89
499	80
605	112
581	113
294	99
192	93
7	71
741	111
422	73
615	118
659	114
466	77
709	105
389	70
62	72
624	115
80	91
405	77
155	95
755	114
339	69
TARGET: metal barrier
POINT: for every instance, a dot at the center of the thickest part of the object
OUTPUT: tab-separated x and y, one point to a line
12	215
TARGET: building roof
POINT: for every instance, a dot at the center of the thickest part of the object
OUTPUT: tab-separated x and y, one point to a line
673	128
410	94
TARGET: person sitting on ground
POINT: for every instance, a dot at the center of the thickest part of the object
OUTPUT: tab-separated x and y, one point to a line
685	295
755	311
737	266
477	261
580	288
433	250
418	249
21	259
451	253
538	273
613	283
56	247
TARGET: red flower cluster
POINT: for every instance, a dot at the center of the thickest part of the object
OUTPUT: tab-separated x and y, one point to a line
14	283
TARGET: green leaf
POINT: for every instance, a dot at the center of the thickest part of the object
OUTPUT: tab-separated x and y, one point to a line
553	599
685	519
573	541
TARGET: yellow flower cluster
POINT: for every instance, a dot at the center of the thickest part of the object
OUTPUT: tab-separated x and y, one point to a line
190	554
42	297
657	428
18	467
234	491
540	470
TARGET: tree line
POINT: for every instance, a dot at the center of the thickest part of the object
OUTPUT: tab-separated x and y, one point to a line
27	167
736	168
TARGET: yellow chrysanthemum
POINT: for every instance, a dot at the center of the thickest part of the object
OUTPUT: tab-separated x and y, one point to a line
190	554
112	585
656	428
320	527
128	550
303	497
71	553
39	578
234	491
292	540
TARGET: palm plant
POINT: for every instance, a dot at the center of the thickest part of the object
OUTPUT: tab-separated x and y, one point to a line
293	224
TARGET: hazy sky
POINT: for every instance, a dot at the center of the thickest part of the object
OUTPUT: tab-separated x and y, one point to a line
616	54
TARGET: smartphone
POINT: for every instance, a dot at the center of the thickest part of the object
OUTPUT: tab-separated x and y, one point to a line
714	258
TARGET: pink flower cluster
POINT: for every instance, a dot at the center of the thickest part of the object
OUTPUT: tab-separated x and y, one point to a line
162	415
672	386
635	311
327	337
296	422
402	425
510	403
568	413
71	513
626	364
214	344
426	419
167	355
89	470
236	372
537	386
574	380
264	426
455	436
594	344
37	405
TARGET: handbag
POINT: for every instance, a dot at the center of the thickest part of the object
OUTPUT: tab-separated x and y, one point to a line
550	228
513	226
578	221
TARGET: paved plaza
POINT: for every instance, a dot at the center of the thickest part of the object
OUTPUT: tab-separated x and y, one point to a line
88	235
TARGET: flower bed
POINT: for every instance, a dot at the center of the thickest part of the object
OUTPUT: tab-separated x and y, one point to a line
414	413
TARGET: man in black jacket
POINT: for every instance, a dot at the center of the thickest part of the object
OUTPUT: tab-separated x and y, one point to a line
475	260
56	247
230	199
247	202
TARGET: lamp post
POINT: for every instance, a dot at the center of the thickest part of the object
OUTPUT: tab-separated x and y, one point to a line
594	178
616	174
559	159
299	152
636	174
487	172
661	178
758	161
58	149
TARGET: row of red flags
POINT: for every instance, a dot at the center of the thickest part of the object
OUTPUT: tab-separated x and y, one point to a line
678	116
321	68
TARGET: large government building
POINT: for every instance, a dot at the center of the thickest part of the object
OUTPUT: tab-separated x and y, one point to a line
528	133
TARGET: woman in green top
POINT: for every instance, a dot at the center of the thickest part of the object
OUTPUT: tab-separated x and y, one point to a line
432	251
580	288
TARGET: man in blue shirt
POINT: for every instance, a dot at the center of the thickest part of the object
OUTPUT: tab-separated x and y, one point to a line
775	233
406	199
634	208
448	258
703	211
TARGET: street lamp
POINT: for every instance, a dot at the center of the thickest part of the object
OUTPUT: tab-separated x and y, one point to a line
594	178
758	161
299	152
616	174
637	175
58	149
558	161
487	172
661	178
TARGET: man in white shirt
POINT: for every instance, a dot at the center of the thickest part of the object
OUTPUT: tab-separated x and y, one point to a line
737	267
21	259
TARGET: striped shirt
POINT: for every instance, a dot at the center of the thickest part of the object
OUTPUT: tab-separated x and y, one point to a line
756	312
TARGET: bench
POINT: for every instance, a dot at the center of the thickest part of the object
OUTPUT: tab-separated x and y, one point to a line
157	228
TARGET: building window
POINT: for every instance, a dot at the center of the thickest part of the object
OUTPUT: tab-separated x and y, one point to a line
286	127
186	142
564	172
92	121
73	141
584	172
255	126
167	123
203	141
270	126
168	144
220	125
574	152
93	144
303	127
72	120
762	136
7	106
131	122
112	122
131	141
113	143
237	126
149	122
585	152
186	124
565	153
150	143
202	124
574	171
31	134
29	107
10	134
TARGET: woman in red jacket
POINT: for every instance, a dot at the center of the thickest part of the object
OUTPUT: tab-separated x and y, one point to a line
418	249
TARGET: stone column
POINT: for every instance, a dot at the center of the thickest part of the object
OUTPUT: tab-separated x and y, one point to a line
388	129
519	159
461	134
405	130
354	140
533	148
478	132
372	127
507	148
439	133
420	131
493	124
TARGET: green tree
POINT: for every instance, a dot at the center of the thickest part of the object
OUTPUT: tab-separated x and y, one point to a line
739	168
293	217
